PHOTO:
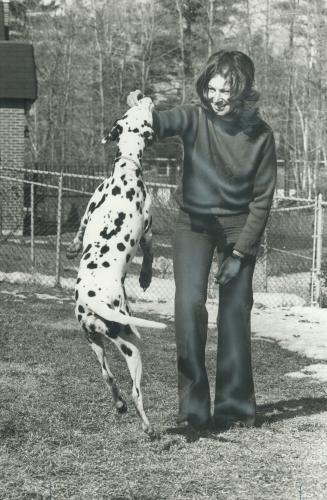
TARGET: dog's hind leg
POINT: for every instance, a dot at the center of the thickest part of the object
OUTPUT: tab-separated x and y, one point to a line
127	342
96	342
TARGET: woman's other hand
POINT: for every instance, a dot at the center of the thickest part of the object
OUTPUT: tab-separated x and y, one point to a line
228	270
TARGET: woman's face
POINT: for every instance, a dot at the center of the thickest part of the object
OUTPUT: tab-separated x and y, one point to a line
219	94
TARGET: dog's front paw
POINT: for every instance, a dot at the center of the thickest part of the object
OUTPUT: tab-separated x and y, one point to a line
73	249
145	278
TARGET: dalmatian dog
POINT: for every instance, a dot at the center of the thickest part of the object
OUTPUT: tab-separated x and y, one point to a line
116	221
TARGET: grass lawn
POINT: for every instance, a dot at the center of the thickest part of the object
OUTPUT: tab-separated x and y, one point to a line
61	438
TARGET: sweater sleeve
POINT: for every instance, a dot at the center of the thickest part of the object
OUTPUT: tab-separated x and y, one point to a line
259	207
176	121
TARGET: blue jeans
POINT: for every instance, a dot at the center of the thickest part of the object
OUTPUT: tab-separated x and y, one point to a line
197	238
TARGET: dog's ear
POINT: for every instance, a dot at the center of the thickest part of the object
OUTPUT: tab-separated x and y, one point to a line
113	134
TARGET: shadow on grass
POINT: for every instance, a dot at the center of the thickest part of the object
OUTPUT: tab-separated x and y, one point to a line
191	434
282	410
266	414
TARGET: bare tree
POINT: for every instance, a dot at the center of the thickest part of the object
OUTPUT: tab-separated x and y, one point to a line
182	48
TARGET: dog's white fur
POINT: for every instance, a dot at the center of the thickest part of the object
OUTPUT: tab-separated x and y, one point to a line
117	220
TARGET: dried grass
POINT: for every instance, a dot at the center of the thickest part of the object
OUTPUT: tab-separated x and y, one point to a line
61	438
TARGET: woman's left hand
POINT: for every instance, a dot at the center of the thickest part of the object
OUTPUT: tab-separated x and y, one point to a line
228	270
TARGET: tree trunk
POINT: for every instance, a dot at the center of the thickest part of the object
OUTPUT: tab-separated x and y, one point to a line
182	48
290	107
210	6
100	77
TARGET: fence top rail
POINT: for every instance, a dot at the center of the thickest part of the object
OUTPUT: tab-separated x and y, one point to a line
72	190
55	174
78	176
290	209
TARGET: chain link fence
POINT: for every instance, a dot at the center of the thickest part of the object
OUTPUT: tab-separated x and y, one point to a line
292	257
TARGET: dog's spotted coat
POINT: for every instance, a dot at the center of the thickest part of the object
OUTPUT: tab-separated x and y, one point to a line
117	220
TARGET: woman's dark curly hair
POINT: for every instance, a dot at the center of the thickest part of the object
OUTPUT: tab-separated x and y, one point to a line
238	68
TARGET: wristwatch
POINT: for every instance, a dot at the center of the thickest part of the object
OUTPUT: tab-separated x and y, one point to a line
238	255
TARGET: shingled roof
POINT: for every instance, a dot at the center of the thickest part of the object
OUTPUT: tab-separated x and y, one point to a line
17	71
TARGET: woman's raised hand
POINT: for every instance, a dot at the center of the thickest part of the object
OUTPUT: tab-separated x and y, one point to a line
134	97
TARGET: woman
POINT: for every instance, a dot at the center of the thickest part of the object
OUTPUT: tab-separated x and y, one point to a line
229	177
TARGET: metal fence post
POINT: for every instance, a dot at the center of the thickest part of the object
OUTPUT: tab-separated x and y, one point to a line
314	253
265	259
32	226
59	218
319	250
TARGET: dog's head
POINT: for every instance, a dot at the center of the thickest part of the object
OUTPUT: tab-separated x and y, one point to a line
135	124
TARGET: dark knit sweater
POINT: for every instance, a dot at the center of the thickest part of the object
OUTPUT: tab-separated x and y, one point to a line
228	169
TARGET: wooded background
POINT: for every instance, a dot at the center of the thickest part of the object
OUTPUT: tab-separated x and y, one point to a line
91	53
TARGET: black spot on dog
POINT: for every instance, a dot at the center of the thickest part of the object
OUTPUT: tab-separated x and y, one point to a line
105	264
140	184
116	190
92	207
100	188
138	205
126	350
78	280
87	249
136	130
92	265
121	247
101	201
79	317
116	302
81	309
130	194
127	257
104	249
132	242
118	223
76	294
91	293
123	177
87	256
126	237
113	328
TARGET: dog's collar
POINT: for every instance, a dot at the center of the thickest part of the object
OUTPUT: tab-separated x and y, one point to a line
135	163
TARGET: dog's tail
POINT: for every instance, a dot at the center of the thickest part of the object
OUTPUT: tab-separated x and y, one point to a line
104	311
